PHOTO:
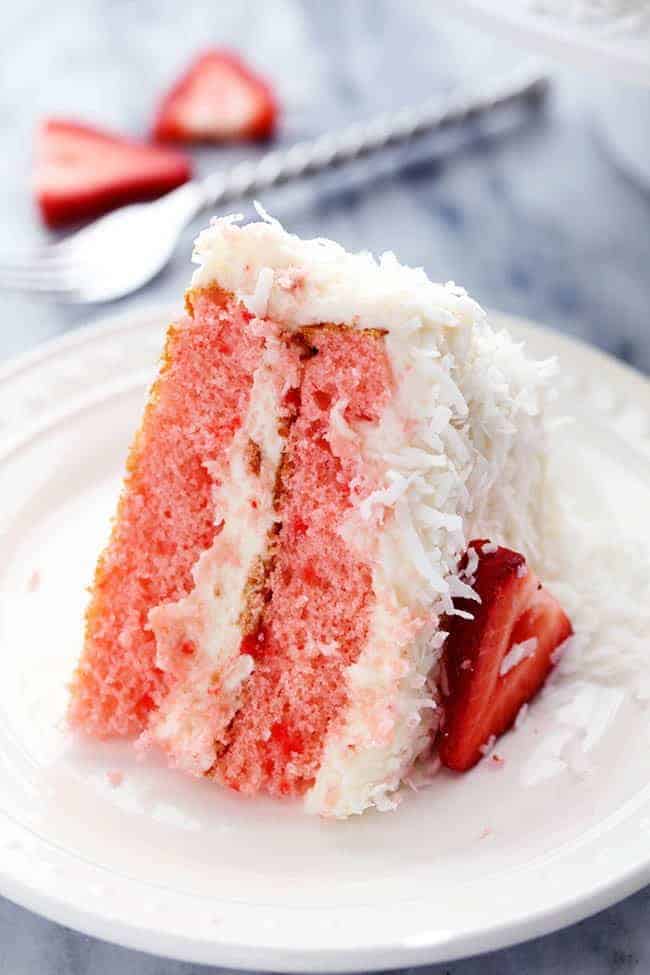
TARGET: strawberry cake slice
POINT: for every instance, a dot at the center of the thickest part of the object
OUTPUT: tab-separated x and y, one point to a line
326	434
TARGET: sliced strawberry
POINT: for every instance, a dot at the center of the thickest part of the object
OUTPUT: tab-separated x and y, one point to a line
218	99
486	689
82	172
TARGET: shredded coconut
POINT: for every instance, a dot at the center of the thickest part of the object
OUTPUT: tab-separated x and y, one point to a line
339	287
517	653
257	303
459	452
603	583
521	715
487	747
472	563
34	581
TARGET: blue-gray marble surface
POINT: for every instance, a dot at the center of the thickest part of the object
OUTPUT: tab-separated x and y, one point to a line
533	216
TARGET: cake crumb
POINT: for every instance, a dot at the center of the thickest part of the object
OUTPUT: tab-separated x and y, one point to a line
34	581
485	833
115	777
487	747
496	761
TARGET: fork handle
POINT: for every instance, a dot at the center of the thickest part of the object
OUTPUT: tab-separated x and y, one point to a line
362	139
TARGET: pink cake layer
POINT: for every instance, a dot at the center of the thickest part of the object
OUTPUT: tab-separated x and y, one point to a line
318	589
165	516
316	622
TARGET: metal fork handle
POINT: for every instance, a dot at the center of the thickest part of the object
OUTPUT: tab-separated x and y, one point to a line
363	138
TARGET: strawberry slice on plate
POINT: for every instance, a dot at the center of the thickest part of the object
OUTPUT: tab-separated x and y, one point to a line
218	99
498	660
82	172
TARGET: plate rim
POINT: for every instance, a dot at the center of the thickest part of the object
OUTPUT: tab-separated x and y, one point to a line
268	957
551	39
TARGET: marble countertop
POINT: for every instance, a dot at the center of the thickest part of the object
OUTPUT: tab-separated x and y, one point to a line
534	218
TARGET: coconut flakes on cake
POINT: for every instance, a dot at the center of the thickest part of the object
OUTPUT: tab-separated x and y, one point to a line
449	444
474	394
472	456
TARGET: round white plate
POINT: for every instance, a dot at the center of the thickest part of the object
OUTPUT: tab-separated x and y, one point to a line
614	43
182	868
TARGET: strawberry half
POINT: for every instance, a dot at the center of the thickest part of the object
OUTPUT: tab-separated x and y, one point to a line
82	172
493	664
218	99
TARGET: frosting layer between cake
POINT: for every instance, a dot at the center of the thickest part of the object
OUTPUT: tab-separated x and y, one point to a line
199	637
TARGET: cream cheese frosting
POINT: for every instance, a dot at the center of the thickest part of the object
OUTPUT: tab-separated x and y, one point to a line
460	452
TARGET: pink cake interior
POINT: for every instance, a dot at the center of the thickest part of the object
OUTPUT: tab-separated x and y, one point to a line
165	518
316	622
317	592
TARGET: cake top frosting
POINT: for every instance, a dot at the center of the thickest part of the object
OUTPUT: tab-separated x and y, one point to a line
308	282
469	440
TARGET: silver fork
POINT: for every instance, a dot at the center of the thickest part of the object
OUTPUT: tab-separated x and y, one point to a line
122	251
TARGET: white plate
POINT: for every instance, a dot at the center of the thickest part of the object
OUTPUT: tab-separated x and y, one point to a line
614	45
181	868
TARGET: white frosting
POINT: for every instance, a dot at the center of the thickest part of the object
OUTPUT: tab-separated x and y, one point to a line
209	616
309	282
460	454
460	447
390	714
517	653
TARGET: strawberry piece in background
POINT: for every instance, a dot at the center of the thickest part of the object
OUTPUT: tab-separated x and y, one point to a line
500	659
218	99
82	172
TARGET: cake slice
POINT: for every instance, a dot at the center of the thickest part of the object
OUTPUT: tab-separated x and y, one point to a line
326	434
